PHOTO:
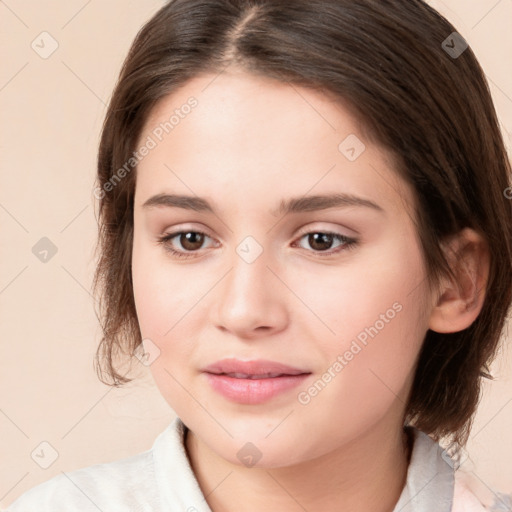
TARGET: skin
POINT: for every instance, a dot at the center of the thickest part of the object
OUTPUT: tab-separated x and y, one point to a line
249	143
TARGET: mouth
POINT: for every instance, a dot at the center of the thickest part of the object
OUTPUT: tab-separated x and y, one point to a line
260	376
252	382
256	369
254	389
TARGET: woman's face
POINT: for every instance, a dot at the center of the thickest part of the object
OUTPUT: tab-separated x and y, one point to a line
286	285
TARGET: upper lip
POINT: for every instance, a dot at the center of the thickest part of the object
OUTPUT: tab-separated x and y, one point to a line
256	367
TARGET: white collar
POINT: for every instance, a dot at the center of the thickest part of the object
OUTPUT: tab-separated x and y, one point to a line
430	478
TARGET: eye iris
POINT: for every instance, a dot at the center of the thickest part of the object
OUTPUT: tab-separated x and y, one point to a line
188	240
320	238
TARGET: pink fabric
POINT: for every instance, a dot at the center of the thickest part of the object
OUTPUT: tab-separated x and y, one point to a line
464	500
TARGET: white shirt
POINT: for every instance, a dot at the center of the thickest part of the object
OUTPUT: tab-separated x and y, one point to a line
162	480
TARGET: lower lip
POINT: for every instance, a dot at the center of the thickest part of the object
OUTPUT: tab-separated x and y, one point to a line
253	391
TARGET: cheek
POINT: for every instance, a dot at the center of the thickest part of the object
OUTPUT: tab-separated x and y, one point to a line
369	367
160	293
151	302
377	292
164	302
374	309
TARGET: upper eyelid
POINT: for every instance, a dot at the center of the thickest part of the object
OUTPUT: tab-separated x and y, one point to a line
301	231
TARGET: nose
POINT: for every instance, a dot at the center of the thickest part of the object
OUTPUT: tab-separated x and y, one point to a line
250	301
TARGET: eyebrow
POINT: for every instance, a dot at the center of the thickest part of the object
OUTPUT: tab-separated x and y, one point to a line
292	205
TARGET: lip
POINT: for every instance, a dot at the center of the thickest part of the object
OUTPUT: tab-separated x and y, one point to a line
255	367
253	391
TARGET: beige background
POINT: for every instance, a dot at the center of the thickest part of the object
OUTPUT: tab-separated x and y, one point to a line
52	110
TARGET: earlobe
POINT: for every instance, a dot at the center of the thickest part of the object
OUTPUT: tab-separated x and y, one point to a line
460	300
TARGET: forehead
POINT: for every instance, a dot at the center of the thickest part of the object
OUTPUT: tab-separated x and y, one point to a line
250	135
250	105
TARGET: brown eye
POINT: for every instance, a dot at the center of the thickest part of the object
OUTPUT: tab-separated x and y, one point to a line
191	240
183	244
320	241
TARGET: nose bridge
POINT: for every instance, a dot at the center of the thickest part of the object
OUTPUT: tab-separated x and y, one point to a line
248	297
249	275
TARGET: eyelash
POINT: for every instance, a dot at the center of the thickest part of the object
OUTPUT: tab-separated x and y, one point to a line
349	243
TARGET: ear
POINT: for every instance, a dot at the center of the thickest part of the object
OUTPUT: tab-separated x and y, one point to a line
460	301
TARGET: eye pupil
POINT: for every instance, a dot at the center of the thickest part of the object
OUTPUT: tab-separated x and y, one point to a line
320	238
191	240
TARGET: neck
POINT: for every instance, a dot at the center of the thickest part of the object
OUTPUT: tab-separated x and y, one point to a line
368	473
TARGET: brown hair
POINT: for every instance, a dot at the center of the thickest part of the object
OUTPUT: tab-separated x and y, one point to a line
431	109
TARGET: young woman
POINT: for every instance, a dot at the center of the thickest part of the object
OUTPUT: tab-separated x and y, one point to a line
305	220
